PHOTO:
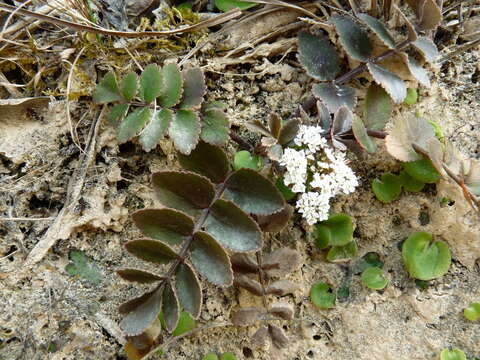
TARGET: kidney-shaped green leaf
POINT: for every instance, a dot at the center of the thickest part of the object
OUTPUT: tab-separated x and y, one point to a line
207	160
170	307
334	96
253	192
472	312
188	289
455	354
151	250
107	90
353	37
185	130
141	312
336	231
318	56
167	225
211	260
342	253
322	296
233	228
374	278
388	188
424	259
422	170
184	191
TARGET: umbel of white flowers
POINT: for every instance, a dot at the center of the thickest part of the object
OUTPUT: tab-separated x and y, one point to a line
318	172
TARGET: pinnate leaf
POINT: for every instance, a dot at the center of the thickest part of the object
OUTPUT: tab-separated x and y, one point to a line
193	88
167	225
185	130
173	86
211	260
394	86
188	290
117	113
139	276
247	316
141	312
335	96
253	192
281	287
151	83
279	339
379	29
215	127
428	49
151	250
318	56
207	160
184	191
405	133
282	310
424	259
248	284
388	188
336	231
281	262
418	71
170	307
155	130
107	90
233	228
133	124
129	85
353	37
244	263
275	222
378	107
274	124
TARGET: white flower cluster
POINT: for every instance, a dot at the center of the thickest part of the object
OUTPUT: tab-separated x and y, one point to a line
317	171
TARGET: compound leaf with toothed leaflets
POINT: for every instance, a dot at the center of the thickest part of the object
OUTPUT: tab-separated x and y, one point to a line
281	287
215	127
207	160
418	71
428	49
318	56
151	83
164	224
424	259
281	310
360	133
139	276
378	107
379	29
253	192
170	307
210	259
156	129
185	130
129	85
107	90
233	228
117	113
133	124
141	312
353	37
334	96
388	188
188	290
406	132
193	88
153	251
394	86
184	191
172	86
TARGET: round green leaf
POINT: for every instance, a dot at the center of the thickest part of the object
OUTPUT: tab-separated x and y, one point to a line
472	312
151	83
343	253
185	130
107	90
454	354
167	225
422	170
211	260
371	259
243	159
374	278
318	56
128	86
424	259
253	192
228	356
133	124
232	227
210	356
321	296
388	188
226	5
185	324
173	86
409	183
336	231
